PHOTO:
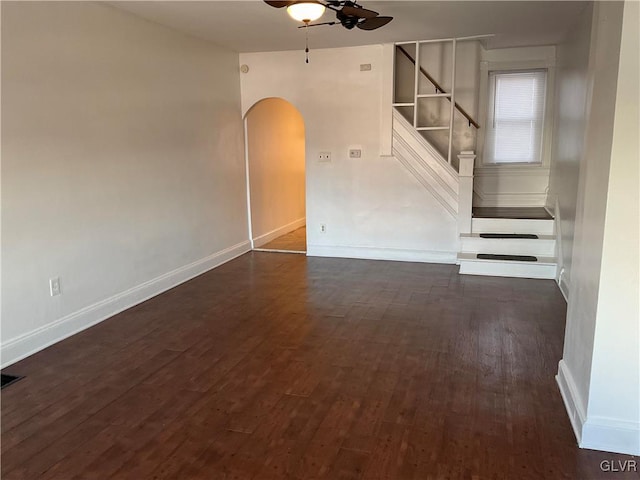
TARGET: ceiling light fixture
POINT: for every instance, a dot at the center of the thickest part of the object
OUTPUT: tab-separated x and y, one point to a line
306	11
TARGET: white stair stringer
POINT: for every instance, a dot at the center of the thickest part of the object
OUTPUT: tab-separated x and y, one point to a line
448	199
425	163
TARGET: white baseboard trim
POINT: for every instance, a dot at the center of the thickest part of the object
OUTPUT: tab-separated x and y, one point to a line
572	401
277	250
375	253
611	435
25	345
278	232
561	278
563	284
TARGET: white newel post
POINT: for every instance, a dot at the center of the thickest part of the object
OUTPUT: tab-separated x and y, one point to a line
465	190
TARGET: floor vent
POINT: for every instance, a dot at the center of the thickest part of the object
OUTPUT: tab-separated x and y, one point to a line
9	379
529	236
518	258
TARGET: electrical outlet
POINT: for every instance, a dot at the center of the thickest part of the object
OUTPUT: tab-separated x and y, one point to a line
323	228
365	67
54	286
324	156
355	153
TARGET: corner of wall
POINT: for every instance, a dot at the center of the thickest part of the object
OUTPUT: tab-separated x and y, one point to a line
611	435
572	401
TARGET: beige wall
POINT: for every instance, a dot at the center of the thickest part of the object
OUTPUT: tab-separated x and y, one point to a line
122	165
568	143
372	206
276	158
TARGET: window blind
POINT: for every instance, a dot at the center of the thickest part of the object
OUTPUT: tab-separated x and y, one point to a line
515	117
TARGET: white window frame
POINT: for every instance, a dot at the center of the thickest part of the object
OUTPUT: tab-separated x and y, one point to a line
494	76
547	129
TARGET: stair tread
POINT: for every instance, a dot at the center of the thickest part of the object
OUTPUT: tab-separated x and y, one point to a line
512	213
527	236
472	257
506	257
477	235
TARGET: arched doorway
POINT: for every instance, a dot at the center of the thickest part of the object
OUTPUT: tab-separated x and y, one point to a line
275	156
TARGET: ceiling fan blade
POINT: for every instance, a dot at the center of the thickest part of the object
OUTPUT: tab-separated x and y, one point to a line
277	4
373	23
358	12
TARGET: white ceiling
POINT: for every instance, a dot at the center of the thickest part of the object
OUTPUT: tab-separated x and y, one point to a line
253	26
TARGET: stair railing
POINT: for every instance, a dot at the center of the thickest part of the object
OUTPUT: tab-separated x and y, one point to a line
438	88
440	91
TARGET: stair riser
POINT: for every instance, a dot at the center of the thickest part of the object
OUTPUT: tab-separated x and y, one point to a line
538	248
507	269
508	225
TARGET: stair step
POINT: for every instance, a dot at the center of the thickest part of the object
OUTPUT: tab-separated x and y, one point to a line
470	264
529	236
542	246
512	225
498	256
512	212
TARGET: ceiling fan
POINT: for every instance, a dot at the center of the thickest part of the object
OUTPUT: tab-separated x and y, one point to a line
348	13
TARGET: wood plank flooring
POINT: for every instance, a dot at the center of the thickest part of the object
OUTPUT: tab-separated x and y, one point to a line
288	367
295	241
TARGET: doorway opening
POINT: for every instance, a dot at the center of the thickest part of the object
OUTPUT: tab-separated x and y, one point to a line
275	165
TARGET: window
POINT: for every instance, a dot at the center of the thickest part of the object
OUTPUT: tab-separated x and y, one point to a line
515	117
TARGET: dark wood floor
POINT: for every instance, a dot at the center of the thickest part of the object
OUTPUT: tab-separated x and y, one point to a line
530	213
283	366
295	241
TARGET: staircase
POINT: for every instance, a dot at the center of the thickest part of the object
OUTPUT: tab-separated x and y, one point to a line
510	244
523	247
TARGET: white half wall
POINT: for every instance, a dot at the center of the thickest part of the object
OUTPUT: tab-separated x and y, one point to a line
122	165
275	158
372	206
